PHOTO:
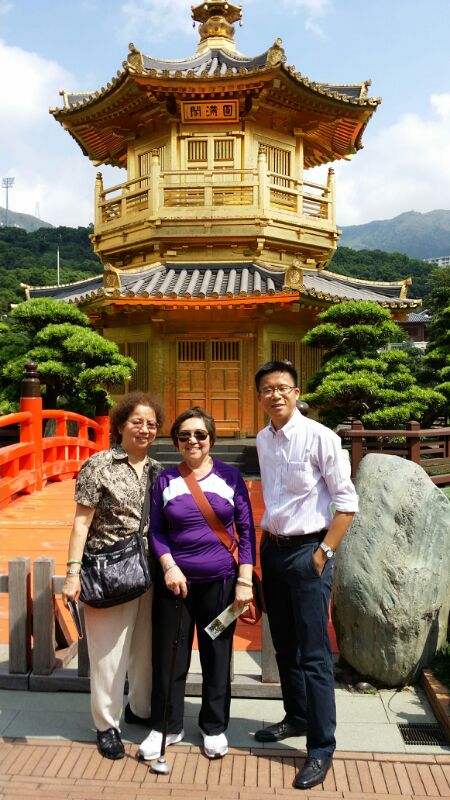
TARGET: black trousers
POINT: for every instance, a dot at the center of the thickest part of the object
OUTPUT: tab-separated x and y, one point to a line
203	602
297	601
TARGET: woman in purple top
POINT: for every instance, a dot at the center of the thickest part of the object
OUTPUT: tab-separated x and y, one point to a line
196	566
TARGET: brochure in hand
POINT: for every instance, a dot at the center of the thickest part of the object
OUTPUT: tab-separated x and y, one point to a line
218	625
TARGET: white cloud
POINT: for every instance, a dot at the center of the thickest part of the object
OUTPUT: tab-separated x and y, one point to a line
405	166
155	19
5	7
441	104
49	172
315	10
32	85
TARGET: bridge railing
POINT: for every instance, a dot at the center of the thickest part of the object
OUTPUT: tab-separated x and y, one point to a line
428	447
37	458
42	644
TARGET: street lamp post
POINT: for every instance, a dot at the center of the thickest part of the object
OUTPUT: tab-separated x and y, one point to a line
7	184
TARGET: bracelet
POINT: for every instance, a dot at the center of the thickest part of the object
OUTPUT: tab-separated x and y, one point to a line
73	562
170	566
73	572
244	582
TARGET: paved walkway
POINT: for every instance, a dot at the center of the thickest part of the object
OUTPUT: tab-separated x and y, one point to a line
47	750
74	771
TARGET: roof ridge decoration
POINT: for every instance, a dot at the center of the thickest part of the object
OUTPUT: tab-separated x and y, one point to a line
111	277
402	283
276	54
135	59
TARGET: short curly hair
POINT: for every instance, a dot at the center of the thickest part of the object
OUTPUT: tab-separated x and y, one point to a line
125	406
194	413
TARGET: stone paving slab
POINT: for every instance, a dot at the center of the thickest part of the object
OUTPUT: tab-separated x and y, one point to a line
31	768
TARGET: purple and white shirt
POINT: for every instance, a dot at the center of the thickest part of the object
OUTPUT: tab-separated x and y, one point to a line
178	527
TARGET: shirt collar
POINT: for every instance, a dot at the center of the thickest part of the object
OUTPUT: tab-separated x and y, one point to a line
291	425
119	454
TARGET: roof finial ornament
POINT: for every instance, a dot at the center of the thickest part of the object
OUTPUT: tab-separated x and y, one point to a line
135	59
216	18
276	54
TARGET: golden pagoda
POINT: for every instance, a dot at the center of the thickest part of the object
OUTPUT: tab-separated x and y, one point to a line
215	246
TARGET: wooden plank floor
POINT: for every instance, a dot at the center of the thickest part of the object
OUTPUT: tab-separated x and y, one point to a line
76	771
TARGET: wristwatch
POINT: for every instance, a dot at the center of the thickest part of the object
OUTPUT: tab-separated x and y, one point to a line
327	550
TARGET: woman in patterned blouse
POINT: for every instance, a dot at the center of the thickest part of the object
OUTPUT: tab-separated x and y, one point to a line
110	491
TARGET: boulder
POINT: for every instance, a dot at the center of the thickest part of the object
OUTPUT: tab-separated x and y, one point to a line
391	595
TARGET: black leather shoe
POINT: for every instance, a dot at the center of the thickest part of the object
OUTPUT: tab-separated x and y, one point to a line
110	744
133	718
314	771
278	731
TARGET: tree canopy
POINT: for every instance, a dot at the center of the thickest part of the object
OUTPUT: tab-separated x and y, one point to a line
436	362
31	258
75	364
376	265
358	378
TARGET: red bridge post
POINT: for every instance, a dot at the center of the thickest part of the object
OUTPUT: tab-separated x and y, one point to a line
31	431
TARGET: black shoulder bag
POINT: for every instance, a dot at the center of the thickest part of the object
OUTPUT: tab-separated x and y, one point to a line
119	572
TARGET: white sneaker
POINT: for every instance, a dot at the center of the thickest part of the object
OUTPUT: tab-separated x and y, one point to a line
151	746
215	746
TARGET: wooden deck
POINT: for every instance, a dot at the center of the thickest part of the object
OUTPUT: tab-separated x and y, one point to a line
75	771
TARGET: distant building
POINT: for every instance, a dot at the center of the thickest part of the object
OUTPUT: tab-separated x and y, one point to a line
442	261
215	246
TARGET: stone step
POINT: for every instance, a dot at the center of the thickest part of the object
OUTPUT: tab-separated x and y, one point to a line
240	453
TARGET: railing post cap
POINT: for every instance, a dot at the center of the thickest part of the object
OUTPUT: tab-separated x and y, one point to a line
412	425
31	385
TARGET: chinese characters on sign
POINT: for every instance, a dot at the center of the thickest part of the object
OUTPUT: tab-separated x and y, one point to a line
210	111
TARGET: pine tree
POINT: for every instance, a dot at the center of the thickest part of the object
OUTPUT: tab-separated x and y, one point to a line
77	367
358	378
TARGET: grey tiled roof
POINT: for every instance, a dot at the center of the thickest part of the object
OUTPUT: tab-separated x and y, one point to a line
419	316
230	280
330	283
207	63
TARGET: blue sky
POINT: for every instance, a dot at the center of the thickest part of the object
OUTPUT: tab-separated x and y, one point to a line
401	45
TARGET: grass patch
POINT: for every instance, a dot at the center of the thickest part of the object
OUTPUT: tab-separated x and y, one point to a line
446	490
441	665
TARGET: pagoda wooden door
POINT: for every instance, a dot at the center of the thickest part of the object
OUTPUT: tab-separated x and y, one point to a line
208	375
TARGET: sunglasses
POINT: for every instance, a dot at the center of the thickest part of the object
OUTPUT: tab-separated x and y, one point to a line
184	436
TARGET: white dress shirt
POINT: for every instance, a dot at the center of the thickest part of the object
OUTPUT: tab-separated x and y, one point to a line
305	475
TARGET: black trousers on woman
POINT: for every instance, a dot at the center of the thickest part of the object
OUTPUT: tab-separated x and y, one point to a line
202	604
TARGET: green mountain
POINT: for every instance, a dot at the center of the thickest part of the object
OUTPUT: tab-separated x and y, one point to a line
31	258
417	235
25	221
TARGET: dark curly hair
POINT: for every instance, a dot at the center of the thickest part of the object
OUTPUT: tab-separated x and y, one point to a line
125	407
194	413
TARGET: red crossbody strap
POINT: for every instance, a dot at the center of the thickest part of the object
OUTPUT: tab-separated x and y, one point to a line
206	510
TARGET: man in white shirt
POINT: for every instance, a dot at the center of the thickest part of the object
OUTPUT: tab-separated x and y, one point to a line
305	477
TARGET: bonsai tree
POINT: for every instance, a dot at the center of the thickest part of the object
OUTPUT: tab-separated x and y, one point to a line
358	378
436	362
75	364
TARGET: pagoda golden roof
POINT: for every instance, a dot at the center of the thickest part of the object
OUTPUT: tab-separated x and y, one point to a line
331	117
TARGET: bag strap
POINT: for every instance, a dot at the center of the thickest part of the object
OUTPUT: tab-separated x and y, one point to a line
146	504
206	510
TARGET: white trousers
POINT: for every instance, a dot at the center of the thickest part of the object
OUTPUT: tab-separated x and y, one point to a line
119	640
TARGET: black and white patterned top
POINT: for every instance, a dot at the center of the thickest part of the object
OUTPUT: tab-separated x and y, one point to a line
109	483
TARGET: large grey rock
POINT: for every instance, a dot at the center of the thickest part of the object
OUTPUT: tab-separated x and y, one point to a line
391	588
